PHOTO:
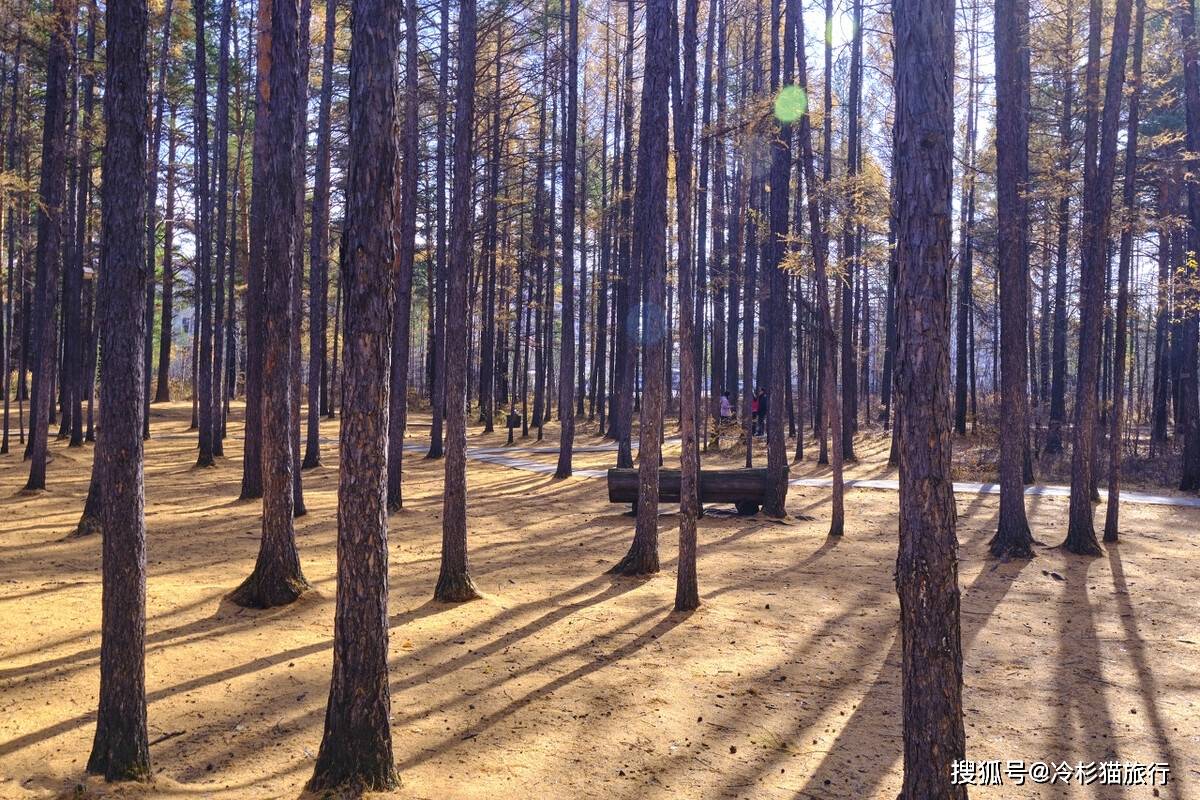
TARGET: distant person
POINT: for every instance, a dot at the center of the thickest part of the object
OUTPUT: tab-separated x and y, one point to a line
762	403
726	407
754	410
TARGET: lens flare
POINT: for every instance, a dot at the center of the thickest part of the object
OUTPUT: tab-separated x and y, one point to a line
790	104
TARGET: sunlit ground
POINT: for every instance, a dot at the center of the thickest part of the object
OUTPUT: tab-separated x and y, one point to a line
564	682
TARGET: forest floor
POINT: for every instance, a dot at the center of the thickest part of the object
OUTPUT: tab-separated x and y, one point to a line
565	682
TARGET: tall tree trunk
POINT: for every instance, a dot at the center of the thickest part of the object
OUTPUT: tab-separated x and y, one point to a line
926	568
827	339
224	252
1013	538
12	222
1189	403
120	750
1058	379
438	411
651	220
1129	194
260	205
204	281
48	255
566	364
778	318
966	247
406	228
152	210
687	595
163	392
73	346
356	748
628	285
850	265
454	583
277	578
318	259
1097	200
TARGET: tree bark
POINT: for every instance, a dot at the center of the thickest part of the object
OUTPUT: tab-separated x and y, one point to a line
438	411
356	749
163	391
926	566
318	259
1189	430
687	595
120	750
1013	538
277	578
566	354
454	583
1097	200
1129	194
204	281
48	254
406	228
651	220
1058	378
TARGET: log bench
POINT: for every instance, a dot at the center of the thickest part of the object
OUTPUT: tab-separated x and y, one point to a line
746	489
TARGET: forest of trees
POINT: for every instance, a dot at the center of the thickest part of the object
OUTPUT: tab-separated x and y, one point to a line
957	225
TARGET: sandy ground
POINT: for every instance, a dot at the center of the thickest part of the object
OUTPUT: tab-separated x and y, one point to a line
564	682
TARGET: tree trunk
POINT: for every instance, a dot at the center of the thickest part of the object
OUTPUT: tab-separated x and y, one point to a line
438	410
926	568
687	595
827	340
225	254
163	392
120	750
260	205
1013	538
406	228
204	281
318	260
1097	197
1189	403
454	583
966	247
1058	379
48	255
566	364
277	578
1129	194
356	749
651	220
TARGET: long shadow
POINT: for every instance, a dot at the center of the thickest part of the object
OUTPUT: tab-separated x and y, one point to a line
1141	664
547	689
980	599
261	663
1078	677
